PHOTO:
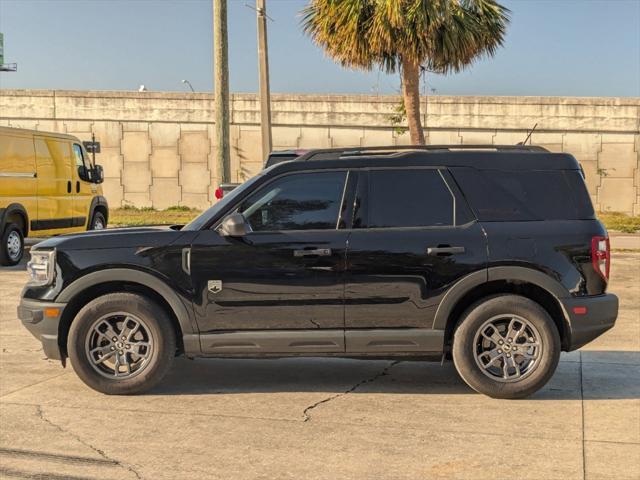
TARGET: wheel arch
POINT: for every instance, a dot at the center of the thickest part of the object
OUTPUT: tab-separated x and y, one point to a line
98	204
102	282
527	282
10	213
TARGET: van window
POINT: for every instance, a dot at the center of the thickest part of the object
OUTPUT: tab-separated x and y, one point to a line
301	201
79	157
525	195
408	198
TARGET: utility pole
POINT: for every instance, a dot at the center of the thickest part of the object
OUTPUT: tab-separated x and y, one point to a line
265	97
221	87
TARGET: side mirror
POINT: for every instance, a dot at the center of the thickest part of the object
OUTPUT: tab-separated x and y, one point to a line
84	173
98	174
234	225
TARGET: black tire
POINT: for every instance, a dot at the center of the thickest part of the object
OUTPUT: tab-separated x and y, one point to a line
12	239
161	333
465	347
97	220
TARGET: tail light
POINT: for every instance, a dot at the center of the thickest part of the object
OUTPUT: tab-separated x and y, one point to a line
219	193
601	256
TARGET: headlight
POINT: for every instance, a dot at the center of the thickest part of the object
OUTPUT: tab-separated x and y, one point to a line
41	267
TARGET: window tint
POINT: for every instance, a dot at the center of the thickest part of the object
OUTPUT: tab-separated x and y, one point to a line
408	198
301	201
506	195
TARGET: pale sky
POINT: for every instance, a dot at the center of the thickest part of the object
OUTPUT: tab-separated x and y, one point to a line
553	47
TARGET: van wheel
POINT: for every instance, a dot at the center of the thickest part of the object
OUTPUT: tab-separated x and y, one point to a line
506	347
12	248
98	222
121	343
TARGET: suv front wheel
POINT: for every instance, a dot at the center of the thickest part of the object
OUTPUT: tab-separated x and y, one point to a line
506	347
121	343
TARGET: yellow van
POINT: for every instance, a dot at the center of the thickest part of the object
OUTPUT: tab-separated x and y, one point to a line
48	186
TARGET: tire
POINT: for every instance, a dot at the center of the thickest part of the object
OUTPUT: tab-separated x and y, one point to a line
153	361
98	222
538	363
12	247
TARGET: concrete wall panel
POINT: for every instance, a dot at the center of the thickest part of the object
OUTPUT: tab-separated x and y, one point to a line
165	162
165	193
617	194
159	148
194	146
618	159
194	178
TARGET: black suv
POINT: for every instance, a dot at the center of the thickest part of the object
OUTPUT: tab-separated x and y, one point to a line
489	255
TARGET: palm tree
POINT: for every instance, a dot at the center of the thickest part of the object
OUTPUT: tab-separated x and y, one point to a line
442	36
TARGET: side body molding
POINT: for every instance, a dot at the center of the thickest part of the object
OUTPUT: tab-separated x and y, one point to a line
510	273
183	313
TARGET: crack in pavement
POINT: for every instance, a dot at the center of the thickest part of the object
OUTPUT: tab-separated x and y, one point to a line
305	414
33	384
40	415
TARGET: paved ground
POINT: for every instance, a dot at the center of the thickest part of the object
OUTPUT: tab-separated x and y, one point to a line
325	419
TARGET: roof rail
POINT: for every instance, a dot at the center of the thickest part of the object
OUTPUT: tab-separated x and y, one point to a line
336	153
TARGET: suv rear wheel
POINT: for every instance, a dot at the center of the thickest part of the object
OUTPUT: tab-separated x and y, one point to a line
506	347
121	343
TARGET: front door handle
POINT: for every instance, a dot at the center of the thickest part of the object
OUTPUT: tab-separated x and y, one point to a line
315	252
444	250
77	186
69	186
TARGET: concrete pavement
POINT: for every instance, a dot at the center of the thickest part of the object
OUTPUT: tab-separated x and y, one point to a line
324	418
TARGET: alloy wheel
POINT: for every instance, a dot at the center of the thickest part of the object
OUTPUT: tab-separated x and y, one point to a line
507	348
119	345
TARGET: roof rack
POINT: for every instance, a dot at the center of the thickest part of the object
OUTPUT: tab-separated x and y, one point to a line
336	153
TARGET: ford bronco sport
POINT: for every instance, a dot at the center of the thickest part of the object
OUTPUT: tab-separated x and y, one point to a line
491	256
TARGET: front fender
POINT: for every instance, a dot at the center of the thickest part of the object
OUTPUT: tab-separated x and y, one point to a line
181	308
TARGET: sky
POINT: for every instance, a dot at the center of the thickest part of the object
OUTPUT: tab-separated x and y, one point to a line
553	47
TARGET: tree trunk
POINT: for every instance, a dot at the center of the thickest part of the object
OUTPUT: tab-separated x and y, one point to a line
411	99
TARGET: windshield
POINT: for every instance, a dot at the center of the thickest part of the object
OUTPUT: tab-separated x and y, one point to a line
228	199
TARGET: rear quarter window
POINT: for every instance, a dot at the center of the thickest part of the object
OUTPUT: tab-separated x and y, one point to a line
525	195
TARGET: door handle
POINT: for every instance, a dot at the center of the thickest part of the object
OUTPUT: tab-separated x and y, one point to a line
77	186
445	250
69	186
315	252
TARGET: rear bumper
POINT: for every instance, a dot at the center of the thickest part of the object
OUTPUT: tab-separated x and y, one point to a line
600	315
42	320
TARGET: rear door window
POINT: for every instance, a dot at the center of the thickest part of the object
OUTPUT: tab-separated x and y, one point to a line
413	197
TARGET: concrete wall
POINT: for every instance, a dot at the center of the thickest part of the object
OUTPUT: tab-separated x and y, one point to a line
158	148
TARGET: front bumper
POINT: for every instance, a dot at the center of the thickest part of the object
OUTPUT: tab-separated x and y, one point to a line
42	320
600	315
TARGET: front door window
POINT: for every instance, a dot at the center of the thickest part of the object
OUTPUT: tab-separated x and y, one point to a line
304	201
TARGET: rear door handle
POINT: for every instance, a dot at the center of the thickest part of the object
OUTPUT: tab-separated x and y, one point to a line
315	252
444	250
69	186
